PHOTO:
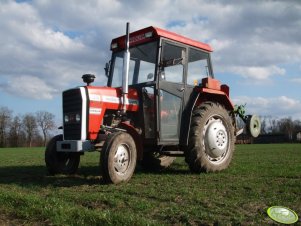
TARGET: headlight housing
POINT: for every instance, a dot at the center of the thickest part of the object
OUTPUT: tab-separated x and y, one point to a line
72	118
77	117
66	118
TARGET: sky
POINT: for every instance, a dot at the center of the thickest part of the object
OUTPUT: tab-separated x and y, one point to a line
47	45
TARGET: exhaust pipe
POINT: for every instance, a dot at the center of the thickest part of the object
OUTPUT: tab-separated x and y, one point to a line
126	65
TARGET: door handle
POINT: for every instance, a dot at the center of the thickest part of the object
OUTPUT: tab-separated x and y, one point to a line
181	89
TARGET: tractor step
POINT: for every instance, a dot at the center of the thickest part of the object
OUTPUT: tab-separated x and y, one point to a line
99	146
173	153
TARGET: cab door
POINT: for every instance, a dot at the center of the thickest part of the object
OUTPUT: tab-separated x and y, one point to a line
171	89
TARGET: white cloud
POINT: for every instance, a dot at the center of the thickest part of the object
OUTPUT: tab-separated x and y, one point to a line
29	47
219	45
30	87
258	73
296	80
280	106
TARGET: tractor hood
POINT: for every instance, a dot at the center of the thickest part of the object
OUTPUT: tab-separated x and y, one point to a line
84	108
101	99
111	98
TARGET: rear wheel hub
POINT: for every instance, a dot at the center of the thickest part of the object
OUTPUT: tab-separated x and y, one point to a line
216	139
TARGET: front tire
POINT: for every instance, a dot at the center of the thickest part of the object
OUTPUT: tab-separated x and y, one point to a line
118	158
60	162
211	139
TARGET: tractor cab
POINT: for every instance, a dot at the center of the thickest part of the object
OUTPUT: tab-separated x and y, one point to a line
165	68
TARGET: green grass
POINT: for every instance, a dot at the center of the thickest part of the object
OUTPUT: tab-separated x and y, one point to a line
259	176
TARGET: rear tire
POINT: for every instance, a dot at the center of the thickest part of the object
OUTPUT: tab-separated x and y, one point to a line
211	139
154	161
60	162
118	158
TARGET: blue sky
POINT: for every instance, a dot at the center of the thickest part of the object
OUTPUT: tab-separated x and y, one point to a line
46	46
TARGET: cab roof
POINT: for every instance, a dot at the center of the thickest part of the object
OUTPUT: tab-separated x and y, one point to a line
153	33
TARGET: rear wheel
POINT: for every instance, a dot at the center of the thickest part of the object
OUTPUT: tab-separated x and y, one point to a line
60	162
118	158
154	161
211	139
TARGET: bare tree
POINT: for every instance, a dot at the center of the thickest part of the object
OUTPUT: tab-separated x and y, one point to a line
297	129
5	118
45	121
30	126
274	125
286	125
297	125
16	135
263	124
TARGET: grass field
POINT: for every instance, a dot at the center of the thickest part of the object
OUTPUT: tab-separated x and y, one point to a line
259	176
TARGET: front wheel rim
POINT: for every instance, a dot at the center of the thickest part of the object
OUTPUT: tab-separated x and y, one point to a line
122	159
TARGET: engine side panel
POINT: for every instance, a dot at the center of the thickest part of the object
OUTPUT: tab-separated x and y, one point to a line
106	98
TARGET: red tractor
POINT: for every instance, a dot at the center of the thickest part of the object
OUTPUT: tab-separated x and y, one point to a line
161	101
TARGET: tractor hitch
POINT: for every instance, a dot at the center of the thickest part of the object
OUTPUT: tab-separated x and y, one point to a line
252	122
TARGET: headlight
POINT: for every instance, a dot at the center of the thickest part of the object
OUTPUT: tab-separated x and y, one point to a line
72	118
66	118
77	117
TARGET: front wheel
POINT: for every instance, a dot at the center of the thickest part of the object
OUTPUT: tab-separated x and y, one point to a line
60	162
118	158
211	139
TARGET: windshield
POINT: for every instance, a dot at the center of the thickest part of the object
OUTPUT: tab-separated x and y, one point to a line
142	64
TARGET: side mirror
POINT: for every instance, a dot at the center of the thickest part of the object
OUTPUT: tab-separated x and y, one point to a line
107	68
150	76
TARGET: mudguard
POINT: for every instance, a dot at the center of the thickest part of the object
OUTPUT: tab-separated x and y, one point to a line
197	97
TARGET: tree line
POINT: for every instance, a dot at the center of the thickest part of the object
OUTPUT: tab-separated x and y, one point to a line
287	126
274	130
28	130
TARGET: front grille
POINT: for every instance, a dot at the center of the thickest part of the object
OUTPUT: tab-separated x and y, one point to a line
72	104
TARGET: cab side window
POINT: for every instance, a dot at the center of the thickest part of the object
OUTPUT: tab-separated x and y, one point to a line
198	66
172	63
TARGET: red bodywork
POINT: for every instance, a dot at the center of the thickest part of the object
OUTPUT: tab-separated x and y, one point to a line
212	88
103	98
152	33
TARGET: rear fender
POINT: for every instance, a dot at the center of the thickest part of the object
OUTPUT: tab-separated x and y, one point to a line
197	97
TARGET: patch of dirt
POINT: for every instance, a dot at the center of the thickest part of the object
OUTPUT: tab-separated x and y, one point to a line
9	220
